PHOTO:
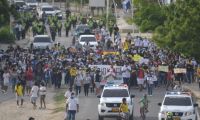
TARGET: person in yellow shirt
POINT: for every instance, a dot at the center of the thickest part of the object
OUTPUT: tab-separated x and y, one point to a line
73	73
124	109
198	74
126	45
19	93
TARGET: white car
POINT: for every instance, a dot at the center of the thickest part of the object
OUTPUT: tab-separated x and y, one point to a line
88	39
42	42
48	9
180	104
32	3
111	98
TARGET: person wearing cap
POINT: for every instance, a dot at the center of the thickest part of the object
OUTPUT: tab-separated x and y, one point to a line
72	107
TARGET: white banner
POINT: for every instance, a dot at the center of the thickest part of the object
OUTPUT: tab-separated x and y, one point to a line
105	68
97	3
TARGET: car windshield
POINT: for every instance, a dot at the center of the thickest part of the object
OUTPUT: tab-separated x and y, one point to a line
47	9
177	101
31	1
81	28
115	93
42	39
88	39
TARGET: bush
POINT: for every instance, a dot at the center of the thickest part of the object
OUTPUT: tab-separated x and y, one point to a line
6	36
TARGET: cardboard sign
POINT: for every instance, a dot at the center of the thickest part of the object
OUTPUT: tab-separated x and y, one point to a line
163	68
179	70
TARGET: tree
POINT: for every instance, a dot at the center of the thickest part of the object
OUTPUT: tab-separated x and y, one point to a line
181	30
148	15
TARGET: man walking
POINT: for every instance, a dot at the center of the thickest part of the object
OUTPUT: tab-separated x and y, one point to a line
59	28
72	107
67	27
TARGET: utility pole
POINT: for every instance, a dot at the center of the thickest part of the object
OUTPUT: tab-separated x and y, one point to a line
52	2
107	12
132	13
81	4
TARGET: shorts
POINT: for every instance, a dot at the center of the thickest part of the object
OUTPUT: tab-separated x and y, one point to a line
33	99
140	81
97	84
19	97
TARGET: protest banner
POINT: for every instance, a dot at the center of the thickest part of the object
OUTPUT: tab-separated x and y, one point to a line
179	70
105	68
163	68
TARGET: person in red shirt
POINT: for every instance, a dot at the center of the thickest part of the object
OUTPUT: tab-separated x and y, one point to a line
170	77
140	78
29	79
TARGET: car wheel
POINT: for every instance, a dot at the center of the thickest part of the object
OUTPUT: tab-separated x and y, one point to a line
101	118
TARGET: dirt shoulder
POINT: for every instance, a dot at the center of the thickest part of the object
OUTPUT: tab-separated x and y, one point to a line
9	110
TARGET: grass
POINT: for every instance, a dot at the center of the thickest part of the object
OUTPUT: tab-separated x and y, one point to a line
59	101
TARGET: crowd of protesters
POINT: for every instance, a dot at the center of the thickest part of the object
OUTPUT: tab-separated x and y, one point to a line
34	70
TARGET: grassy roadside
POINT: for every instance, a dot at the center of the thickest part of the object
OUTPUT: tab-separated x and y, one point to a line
59	102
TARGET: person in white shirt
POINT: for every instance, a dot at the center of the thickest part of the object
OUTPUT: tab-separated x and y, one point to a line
42	92
150	83
6	78
72	107
126	73
78	82
68	93
34	94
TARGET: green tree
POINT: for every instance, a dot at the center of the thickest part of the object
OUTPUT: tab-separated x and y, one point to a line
181	30
148	15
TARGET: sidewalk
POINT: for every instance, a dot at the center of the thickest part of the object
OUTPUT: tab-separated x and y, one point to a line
23	43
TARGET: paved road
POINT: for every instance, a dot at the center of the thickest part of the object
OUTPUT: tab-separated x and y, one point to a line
66	41
88	105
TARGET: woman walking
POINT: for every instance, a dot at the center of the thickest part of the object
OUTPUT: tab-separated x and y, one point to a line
86	83
78	83
34	95
6	78
42	92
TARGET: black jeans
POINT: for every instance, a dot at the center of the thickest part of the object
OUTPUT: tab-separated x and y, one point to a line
86	89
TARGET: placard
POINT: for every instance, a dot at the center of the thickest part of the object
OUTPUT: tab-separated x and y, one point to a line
163	68
179	70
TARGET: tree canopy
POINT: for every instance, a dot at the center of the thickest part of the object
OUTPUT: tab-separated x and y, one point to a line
148	15
181	30
175	26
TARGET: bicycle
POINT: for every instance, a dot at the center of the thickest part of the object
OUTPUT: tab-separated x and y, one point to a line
123	116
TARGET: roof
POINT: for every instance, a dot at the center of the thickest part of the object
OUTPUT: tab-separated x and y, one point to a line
113	85
178	94
87	35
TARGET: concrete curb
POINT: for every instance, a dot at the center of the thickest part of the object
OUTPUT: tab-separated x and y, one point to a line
196	95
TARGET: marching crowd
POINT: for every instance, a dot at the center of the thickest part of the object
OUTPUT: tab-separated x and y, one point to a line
29	71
